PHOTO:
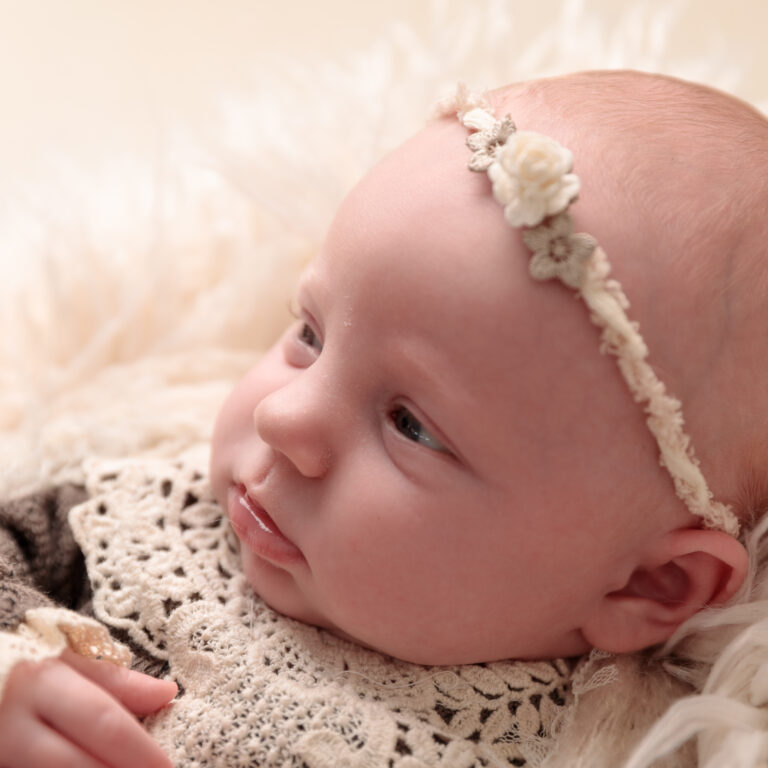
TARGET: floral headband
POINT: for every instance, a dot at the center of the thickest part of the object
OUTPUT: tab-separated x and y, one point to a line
531	177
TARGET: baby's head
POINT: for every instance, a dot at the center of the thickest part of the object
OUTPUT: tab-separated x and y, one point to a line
436	460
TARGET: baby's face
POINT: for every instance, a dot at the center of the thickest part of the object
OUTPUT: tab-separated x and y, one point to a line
434	457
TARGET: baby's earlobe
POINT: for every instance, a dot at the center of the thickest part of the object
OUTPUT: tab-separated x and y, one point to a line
687	570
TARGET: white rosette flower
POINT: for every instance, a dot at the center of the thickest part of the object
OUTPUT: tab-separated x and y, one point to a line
531	178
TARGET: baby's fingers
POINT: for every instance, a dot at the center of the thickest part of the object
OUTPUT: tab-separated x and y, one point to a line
141	694
90	718
37	746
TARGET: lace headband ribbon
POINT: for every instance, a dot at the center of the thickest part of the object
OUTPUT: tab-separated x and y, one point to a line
531	175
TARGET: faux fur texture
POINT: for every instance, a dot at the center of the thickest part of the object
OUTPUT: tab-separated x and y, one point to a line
144	294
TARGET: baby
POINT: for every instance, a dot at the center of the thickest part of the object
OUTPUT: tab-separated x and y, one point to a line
435	460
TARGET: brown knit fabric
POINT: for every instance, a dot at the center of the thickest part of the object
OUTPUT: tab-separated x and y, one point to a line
40	563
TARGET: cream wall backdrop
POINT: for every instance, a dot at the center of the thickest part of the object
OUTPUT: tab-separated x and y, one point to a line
84	80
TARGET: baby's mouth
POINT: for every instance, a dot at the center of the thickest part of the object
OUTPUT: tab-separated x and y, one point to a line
259	514
257	530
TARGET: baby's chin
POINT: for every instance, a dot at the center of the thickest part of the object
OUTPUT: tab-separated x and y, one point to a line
290	608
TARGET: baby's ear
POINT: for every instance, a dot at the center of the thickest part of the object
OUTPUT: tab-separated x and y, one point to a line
686	570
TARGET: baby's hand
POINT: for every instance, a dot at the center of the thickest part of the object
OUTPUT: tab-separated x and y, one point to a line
76	713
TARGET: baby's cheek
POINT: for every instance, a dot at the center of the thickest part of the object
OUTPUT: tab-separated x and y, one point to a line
373	579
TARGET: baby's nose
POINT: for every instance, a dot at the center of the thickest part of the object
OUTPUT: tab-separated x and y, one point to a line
294	421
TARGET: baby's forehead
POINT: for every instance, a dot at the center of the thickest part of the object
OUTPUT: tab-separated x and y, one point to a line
420	223
420	253
423	197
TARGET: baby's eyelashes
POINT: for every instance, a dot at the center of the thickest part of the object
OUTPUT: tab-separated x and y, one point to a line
308	336
301	344
412	429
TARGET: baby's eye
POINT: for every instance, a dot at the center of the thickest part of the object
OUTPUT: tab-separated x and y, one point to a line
309	337
410	427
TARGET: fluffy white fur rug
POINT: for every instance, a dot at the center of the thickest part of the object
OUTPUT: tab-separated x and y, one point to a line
135	301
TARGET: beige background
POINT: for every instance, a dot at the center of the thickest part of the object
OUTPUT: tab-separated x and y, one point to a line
89	79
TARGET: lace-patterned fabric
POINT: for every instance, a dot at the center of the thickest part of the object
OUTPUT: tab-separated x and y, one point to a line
260	689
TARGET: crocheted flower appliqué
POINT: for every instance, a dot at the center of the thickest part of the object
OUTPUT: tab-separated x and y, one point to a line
486	140
557	252
531	178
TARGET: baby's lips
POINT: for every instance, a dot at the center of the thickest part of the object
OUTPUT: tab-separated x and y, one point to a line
256	528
